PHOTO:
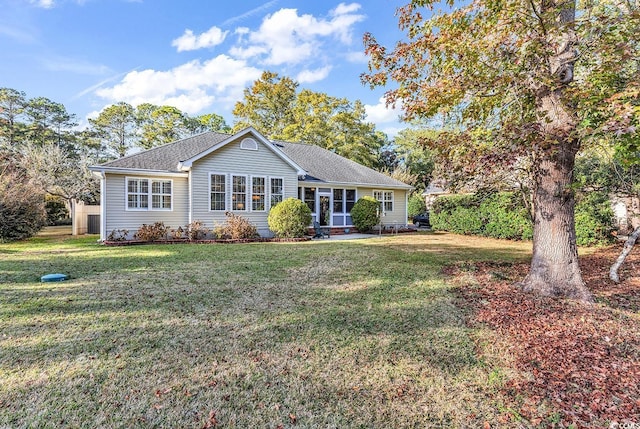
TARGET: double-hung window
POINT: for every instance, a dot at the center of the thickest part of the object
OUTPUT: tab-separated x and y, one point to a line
239	193
161	194
258	194
138	194
218	192
141	191
385	198
277	190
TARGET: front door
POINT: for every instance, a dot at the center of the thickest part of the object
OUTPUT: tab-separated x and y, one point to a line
325	210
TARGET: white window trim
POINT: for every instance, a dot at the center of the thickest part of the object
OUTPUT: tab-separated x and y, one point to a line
269	189
342	201
355	199
265	194
392	200
247	192
384	200
248	143
226	191
150	194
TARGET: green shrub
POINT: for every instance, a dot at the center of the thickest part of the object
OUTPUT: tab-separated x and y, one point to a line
236	228
456	213
506	217
499	215
416	205
594	219
154	232
290	218
366	213
503	215
22	207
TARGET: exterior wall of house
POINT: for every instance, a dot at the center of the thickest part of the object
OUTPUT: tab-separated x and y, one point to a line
397	217
232	160
118	216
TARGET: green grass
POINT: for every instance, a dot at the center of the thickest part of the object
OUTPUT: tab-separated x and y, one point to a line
361	333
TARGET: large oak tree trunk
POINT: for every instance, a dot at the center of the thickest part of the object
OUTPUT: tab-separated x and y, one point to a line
554	266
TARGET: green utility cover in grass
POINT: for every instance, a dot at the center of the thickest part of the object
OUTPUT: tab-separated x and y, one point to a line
54	278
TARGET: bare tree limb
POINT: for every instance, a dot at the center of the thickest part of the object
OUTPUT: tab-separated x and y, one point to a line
628	245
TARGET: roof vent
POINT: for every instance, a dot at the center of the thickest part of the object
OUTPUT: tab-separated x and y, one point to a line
249	144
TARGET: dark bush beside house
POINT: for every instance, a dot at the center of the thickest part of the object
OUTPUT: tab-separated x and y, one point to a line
22	207
289	218
366	213
503	215
57	213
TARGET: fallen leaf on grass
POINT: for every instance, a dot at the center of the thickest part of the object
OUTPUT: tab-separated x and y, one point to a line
211	421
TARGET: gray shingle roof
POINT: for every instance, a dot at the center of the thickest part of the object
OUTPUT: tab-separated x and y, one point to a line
167	157
325	166
320	164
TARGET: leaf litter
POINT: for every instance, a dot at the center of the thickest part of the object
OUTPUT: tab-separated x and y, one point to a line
577	366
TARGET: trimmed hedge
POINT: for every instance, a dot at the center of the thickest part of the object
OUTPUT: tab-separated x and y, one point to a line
365	213
416	205
503	215
290	218
594	220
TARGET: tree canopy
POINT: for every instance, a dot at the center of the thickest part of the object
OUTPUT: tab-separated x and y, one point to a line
274	106
530	80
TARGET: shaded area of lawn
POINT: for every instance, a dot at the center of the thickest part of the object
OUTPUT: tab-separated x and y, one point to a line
336	334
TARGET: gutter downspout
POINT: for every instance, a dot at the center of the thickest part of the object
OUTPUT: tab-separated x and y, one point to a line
190	202
406	206
103	203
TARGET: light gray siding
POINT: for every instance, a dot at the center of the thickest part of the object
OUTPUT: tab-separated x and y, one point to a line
399	214
118	217
232	160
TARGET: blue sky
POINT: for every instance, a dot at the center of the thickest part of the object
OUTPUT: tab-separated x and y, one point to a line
197	55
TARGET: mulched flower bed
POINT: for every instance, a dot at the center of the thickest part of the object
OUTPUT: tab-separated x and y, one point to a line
229	241
579	365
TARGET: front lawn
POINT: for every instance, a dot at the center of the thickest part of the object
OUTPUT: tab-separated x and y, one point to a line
362	333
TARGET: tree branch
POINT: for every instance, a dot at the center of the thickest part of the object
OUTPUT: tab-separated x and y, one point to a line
628	245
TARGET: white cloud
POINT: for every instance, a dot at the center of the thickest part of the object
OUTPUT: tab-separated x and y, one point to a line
190	42
191	87
357	57
380	113
343	9
285	37
45	4
310	76
392	132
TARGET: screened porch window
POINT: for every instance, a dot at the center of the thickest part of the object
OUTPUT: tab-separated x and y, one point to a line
310	198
